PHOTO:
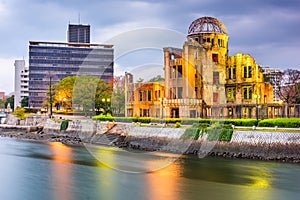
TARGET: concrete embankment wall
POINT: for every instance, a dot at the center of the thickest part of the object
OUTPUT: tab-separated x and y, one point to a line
255	137
87	129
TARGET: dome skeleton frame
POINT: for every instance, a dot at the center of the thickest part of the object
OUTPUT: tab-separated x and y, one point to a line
206	25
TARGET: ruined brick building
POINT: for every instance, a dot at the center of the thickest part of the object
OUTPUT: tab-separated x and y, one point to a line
202	80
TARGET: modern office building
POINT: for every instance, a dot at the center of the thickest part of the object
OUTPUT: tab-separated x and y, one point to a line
50	62
21	81
78	33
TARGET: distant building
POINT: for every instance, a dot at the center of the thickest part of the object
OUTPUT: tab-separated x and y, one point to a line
201	80
21	81
2	96
273	76
78	33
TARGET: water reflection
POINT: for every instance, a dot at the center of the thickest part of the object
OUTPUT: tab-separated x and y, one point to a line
55	171
164	183
61	170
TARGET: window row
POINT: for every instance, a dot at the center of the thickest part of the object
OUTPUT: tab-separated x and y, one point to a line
231	72
176	71
247	93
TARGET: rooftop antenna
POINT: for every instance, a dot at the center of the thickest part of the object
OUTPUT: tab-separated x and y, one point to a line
79	18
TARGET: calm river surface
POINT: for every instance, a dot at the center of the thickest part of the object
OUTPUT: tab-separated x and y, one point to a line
34	171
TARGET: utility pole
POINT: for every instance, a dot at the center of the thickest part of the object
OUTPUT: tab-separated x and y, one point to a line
51	100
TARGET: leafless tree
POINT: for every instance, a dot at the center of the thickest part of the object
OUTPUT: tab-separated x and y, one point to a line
289	90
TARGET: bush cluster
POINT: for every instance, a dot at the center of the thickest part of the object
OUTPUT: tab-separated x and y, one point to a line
215	131
280	122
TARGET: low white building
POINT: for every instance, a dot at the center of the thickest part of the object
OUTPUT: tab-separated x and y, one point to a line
21	81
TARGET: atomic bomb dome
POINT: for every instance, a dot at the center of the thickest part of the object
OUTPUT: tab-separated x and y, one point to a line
206	25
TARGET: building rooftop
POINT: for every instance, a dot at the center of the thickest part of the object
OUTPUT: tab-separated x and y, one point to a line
68	44
206	25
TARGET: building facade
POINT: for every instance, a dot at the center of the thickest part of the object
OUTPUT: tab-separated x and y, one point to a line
50	62
79	33
21	82
202	80
143	99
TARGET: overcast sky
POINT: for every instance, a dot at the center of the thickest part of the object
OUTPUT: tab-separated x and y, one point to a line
268	30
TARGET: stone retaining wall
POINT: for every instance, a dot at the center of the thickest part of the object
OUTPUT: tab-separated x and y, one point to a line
256	137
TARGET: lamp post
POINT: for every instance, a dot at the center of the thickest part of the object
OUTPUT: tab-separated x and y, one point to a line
50	100
257	97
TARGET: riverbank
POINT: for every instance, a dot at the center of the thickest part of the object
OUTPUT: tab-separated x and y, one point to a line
22	135
232	150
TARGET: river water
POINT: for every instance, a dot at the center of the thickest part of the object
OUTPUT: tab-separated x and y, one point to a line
34	171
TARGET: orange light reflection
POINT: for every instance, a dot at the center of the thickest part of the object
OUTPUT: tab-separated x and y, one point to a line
61	170
164	183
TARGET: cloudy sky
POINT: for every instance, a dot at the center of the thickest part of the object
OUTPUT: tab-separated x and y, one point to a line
269	30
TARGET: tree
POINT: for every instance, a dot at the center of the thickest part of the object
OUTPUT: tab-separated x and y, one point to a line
10	100
19	113
89	92
24	102
140	80
2	102
103	97
289	90
63	91
157	78
118	96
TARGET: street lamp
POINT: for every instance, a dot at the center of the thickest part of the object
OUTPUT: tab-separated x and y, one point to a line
51	95
257	97
106	101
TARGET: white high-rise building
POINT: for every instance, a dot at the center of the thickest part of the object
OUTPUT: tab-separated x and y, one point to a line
21	81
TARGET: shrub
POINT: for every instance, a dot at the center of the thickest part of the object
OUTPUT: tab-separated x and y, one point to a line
102	117
64	125
177	125
219	132
192	132
19	113
280	122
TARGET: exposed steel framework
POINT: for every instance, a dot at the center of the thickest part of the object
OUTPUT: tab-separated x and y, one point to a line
207	25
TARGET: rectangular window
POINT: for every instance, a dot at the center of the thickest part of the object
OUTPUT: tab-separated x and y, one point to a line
216	77
149	95
141	95
247	71
232	72
179	92
174	72
144	95
196	92
179	71
247	92
215	57
231	94
216	97
174	93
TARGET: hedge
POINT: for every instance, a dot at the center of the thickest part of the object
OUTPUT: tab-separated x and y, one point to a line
280	122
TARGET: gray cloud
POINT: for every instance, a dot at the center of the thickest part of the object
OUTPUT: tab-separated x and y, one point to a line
268	30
